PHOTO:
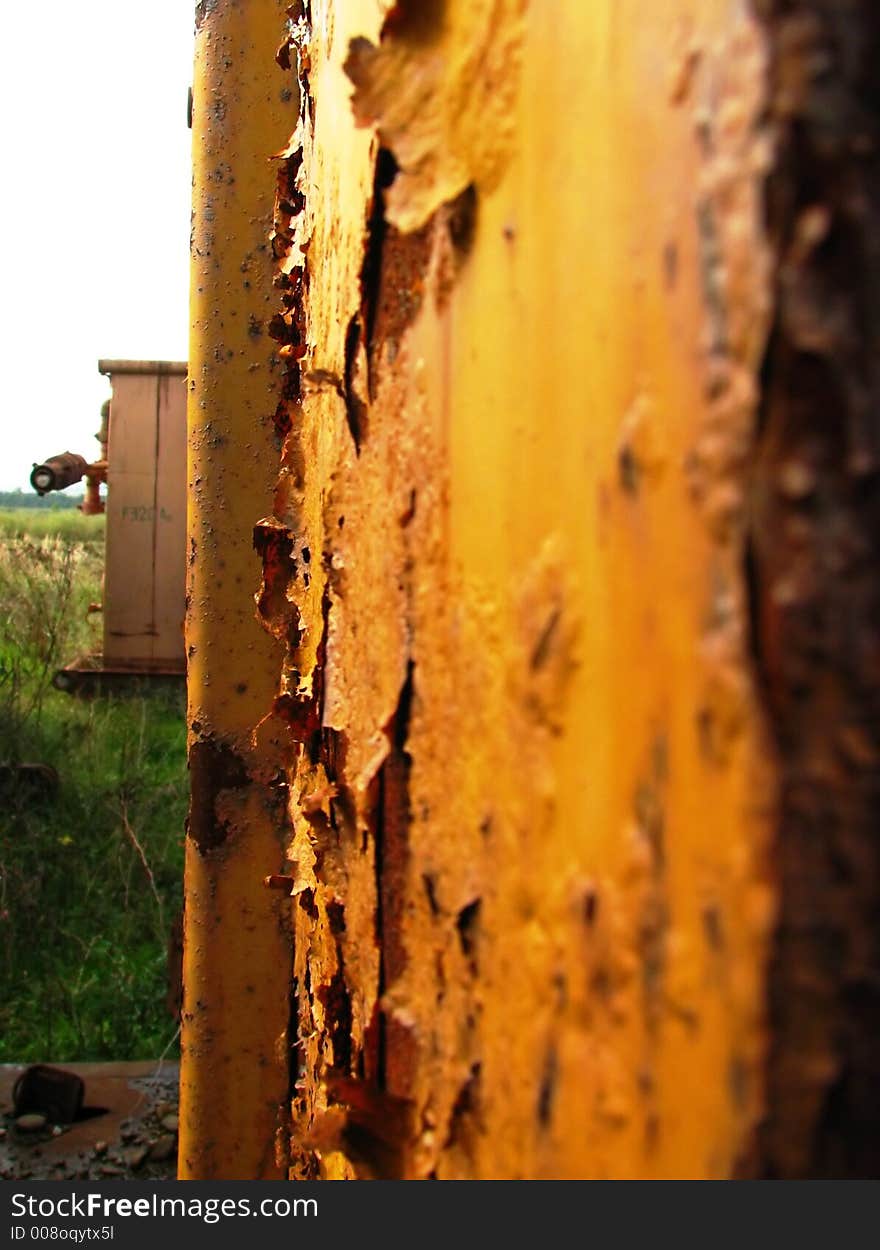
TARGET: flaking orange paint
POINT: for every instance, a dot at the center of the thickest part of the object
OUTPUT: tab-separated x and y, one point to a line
530	786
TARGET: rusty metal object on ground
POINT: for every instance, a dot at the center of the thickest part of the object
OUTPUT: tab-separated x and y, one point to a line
56	1093
120	1132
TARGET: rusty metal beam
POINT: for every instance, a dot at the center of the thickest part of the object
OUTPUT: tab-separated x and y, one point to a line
234	1069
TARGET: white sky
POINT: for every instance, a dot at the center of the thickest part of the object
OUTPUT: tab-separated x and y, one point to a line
94	210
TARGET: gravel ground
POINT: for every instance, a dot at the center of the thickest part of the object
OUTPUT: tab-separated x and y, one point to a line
134	1139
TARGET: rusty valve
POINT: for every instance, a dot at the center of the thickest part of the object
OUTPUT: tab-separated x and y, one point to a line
58	472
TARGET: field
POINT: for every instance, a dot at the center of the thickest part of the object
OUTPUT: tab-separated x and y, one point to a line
35	523
90	863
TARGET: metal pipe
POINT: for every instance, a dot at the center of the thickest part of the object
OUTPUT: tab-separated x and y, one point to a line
58	472
95	475
237	948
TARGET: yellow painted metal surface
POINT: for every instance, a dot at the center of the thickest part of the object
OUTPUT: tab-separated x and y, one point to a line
520	305
234	1065
532	787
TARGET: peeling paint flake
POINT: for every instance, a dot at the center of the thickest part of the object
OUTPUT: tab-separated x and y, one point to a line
440	86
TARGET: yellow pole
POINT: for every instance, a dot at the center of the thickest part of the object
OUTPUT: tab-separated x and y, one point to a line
237	950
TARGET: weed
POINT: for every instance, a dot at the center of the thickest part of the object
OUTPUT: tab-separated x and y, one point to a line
42	584
90	868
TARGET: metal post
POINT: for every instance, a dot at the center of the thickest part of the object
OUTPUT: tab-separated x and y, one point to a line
237	949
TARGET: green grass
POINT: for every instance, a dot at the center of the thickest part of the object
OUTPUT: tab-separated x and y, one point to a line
90	873
35	523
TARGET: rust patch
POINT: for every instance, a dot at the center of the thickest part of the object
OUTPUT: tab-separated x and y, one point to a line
392	868
215	768
275	543
401	290
377	1127
652	937
288	326
336	1001
547	1087
300	714
356	405
813	561
204	9
465	1121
